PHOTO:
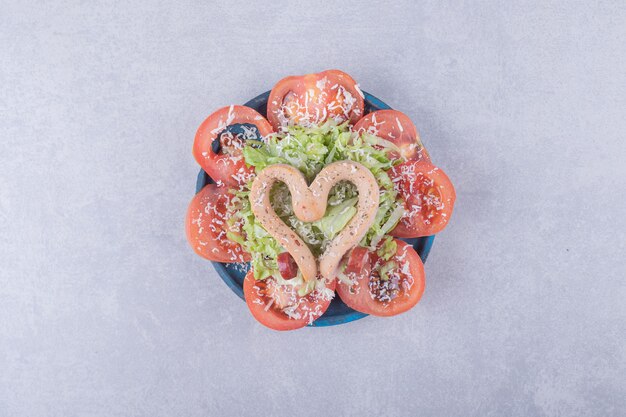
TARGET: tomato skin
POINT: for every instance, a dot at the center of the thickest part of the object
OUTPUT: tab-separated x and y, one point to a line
311	99
357	260
205	226
397	128
287	265
429	198
359	297
257	301
222	167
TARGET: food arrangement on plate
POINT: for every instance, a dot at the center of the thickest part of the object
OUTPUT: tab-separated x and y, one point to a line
315	200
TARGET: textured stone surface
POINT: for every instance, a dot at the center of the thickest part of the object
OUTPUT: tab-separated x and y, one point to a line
105	311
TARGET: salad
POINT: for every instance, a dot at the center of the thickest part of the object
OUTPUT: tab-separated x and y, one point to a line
316	198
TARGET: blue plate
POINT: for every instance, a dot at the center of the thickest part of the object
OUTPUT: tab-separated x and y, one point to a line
338	312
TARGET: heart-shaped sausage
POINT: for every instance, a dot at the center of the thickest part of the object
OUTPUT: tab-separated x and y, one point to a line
309	204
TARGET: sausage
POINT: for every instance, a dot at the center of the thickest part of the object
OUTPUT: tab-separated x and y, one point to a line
309	204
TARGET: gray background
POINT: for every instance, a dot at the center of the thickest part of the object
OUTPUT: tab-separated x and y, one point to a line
105	310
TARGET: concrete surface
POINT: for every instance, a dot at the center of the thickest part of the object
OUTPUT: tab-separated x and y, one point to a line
105	311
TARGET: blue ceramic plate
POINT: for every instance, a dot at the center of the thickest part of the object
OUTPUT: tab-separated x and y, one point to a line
338	312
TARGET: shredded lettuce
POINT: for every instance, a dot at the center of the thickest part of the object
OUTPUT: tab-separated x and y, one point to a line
387	249
336	218
385	269
310	149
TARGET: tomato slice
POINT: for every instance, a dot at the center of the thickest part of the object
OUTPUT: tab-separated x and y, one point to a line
287	266
428	196
206	226
309	100
279	307
397	128
399	292
357	260
227	165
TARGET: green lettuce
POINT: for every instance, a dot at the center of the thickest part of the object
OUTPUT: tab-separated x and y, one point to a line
310	149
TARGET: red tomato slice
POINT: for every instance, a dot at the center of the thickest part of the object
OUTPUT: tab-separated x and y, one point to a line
397	128
279	307
429	198
287	266
206	226
357	260
228	165
309	100
404	287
